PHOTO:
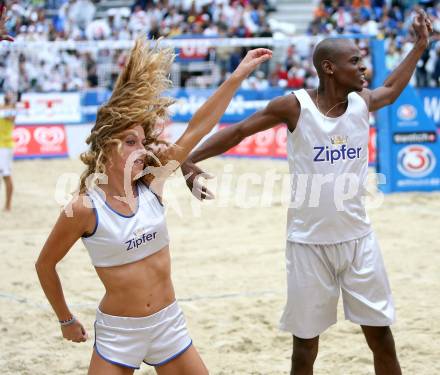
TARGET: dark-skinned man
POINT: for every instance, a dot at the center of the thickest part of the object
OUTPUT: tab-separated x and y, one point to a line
331	248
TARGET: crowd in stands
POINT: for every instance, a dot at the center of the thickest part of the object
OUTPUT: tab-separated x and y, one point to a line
52	70
387	19
48	69
78	19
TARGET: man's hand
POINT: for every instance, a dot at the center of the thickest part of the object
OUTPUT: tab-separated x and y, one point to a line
192	174
74	332
3	33
422	27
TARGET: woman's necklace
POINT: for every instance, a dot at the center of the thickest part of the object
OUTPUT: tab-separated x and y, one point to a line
317	104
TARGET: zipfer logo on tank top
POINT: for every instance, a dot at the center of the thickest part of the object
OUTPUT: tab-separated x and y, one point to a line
342	152
135	242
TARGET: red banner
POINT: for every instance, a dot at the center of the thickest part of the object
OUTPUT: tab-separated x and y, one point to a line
191	52
272	143
40	141
372	147
269	143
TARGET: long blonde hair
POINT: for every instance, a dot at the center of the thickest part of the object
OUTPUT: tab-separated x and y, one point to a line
136	100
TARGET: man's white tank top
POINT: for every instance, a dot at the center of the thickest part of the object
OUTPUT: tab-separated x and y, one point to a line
328	162
119	239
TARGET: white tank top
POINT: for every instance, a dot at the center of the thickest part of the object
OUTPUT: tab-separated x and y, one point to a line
118	239
328	162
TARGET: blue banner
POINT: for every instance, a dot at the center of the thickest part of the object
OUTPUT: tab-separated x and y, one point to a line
90	102
244	103
431	103
409	146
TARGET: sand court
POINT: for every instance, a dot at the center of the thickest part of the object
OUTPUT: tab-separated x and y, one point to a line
228	271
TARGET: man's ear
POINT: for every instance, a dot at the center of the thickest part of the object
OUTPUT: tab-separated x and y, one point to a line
327	67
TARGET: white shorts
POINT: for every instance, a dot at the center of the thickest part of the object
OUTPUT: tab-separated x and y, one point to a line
317	273
6	161
155	339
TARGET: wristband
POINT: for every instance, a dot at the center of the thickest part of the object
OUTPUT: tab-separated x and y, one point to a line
67	322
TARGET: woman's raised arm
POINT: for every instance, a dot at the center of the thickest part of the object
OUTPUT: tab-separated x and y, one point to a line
210	113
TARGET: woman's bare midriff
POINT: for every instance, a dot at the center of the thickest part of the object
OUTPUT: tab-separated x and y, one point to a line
138	289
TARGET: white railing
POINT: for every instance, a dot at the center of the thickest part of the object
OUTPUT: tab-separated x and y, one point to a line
177	43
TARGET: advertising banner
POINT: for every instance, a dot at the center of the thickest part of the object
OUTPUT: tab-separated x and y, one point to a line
188	101
52	108
192	52
409	146
269	143
430	97
75	110
244	103
40	141
90	102
372	152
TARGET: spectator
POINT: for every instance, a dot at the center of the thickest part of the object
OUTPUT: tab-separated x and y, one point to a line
75	20
82	13
279	75
256	82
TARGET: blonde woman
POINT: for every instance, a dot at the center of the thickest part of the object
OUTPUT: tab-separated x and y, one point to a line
121	222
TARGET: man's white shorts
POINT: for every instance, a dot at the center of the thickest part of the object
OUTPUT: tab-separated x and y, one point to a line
5	161
155	339
317	273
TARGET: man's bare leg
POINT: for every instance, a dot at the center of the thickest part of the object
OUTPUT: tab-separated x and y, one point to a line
381	342
304	355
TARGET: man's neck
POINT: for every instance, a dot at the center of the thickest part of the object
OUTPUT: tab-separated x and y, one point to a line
328	98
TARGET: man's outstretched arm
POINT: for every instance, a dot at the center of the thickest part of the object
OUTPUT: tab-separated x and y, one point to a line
284	109
276	112
399	78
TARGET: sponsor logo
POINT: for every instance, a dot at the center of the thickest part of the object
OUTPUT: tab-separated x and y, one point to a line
415	137
49	136
139	232
415	161
22	137
338	139
134	243
326	154
407	112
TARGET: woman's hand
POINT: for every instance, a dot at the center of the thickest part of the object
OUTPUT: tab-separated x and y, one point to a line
74	332
251	61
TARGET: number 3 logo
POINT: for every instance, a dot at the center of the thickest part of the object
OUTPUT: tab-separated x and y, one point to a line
415	161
